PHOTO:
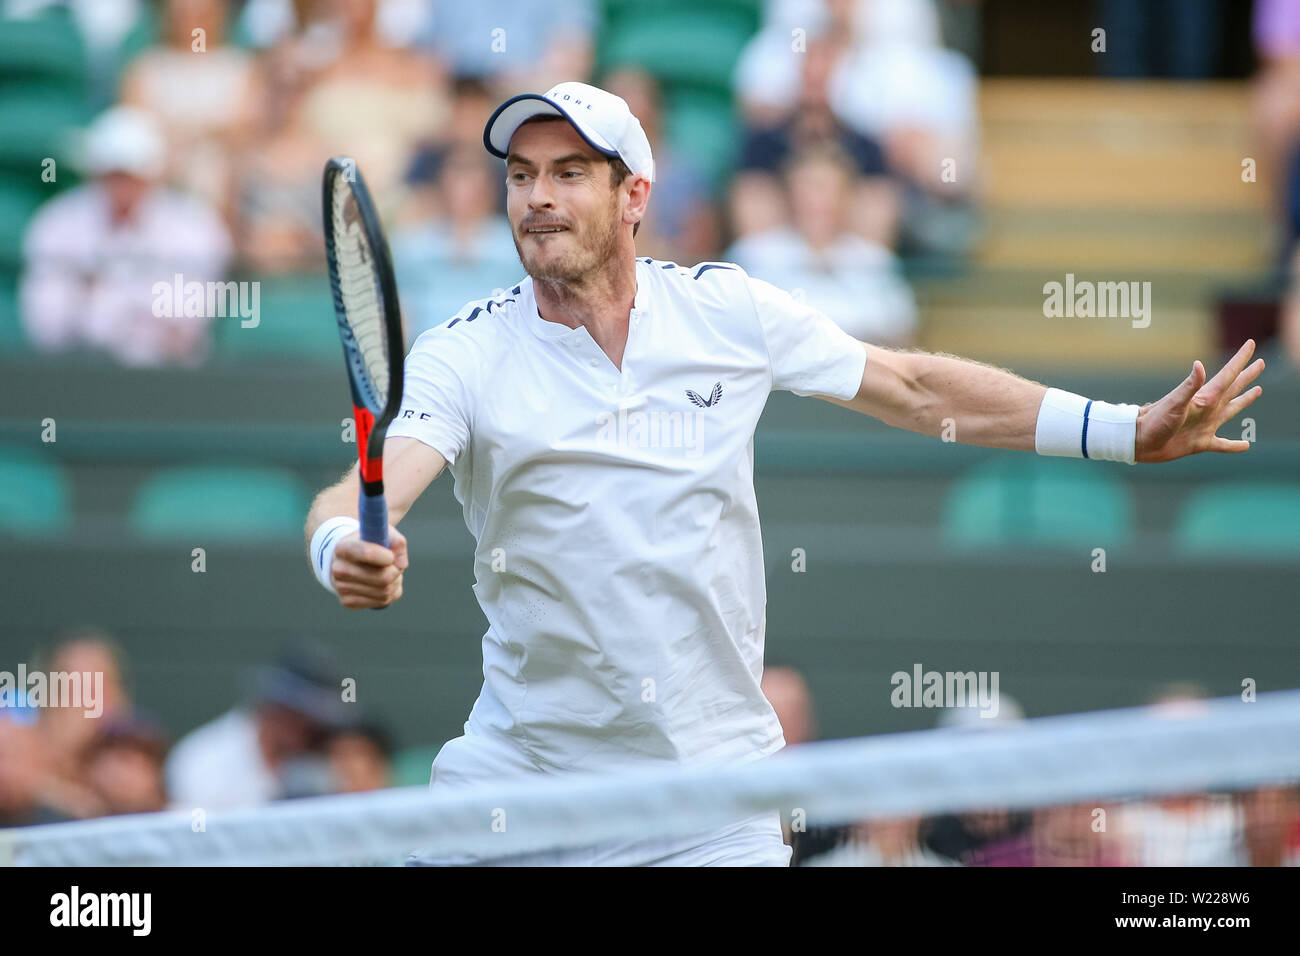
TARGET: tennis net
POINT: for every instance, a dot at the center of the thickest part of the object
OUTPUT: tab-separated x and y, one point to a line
1217	783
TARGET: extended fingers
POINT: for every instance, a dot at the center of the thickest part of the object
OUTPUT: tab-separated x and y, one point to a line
1217	385
1229	446
1234	407
1247	376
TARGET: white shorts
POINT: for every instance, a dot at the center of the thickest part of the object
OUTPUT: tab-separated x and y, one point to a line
755	841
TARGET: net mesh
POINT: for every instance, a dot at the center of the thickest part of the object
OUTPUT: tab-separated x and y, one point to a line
1213	784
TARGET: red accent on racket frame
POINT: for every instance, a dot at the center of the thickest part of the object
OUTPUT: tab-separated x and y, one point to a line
372	469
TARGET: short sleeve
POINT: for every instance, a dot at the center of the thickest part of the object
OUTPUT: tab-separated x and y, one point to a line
437	396
810	354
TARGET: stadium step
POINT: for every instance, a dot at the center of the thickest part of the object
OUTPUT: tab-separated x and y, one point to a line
1110	181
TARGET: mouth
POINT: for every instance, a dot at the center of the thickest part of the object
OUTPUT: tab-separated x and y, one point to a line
544	230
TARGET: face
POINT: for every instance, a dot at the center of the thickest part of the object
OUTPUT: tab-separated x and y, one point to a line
818	193
184	16
468	185
124	192
357	764
565	217
21	767
285	733
128	780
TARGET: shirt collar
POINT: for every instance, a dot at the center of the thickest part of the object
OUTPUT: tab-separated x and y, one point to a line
555	330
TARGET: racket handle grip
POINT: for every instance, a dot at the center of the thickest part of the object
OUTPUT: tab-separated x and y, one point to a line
373	512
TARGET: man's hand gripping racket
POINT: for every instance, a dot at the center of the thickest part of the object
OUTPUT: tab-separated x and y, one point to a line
366	572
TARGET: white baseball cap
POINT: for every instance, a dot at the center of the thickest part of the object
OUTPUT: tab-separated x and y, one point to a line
601	118
123	139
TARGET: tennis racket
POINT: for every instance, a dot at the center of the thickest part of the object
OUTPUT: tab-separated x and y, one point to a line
370	327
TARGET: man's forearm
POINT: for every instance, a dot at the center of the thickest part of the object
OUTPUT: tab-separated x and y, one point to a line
336	500
972	403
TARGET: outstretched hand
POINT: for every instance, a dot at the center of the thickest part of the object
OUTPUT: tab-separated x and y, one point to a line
1185	421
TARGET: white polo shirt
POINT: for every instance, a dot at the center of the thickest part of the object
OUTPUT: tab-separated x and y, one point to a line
619	561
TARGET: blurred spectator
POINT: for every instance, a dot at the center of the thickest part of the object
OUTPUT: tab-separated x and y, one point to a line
680	223
982	838
373	102
1073	835
855	282
992	837
66	733
1272	820
446	262
23	777
757	201
1289	315
885	842
519	46
95	253
124	767
787	692
767	76
268	750
360	759
899	86
279	202
471	105
205	94
1193	829
1276	108
1178	39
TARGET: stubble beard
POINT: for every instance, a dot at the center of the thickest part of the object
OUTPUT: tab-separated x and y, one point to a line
576	268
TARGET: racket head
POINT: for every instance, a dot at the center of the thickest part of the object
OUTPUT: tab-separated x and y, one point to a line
365	306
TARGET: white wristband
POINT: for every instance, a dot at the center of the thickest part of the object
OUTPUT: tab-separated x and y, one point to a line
1072	426
323	543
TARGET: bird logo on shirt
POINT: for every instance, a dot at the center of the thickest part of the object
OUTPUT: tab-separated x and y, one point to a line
714	397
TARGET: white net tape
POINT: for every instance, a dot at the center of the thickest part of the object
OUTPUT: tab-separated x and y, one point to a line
1226	744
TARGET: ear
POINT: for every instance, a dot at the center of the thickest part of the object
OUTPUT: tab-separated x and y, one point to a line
638	196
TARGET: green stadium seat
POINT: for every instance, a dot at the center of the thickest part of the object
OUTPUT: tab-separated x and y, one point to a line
703	126
411	766
12	337
1039	503
219	503
18	201
1240	517
35	494
683	44
47	46
296	320
37	120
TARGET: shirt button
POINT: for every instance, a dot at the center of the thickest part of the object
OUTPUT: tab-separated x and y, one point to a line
594	363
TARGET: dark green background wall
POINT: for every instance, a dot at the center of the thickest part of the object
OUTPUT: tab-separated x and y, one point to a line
882	590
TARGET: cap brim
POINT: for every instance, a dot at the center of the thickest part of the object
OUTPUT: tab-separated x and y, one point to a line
517	110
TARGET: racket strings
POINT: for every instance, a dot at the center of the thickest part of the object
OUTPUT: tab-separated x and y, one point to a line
358	287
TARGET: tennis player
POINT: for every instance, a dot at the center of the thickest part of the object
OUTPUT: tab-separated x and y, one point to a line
598	420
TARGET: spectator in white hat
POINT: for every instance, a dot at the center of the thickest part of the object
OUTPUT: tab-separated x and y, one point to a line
94	254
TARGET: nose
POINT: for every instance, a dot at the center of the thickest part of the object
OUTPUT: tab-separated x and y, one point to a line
539	196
